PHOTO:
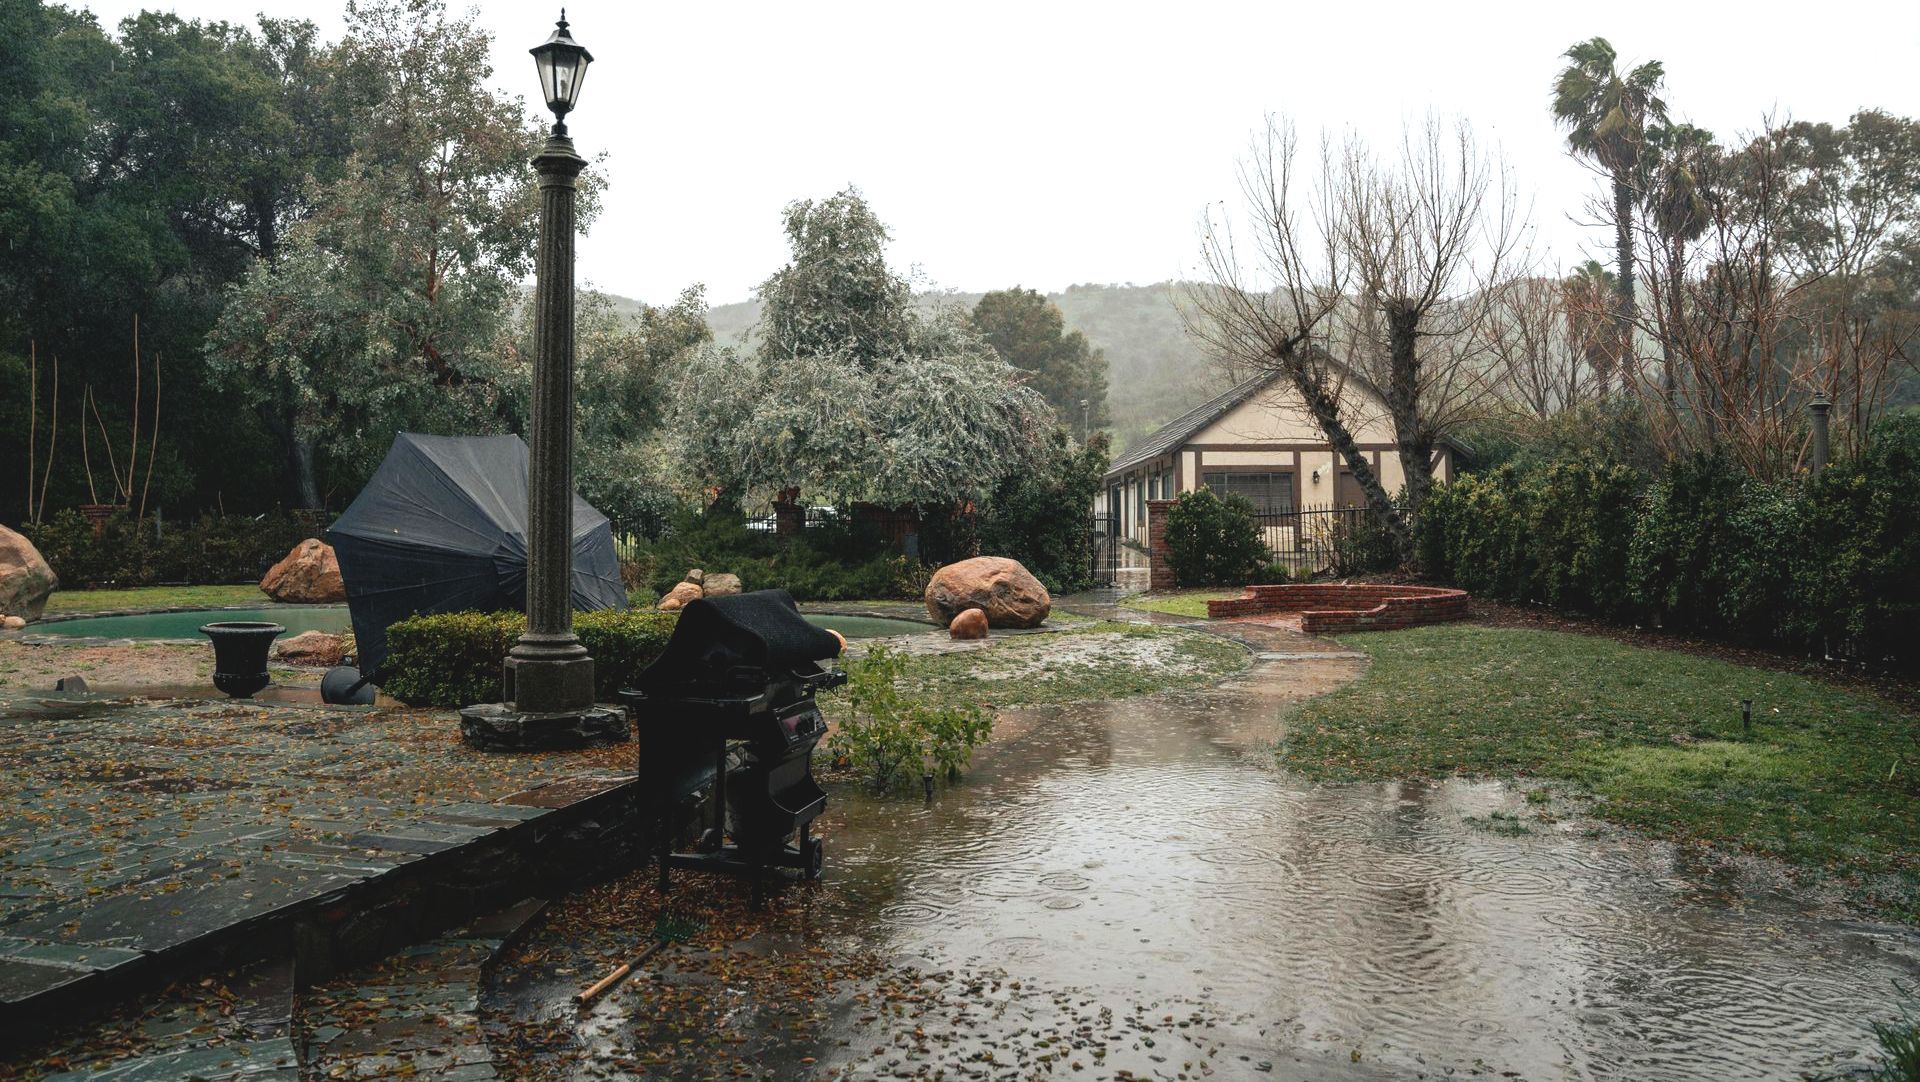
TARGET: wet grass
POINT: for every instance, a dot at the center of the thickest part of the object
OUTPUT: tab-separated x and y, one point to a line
155	597
1105	660
1826	778
1191	603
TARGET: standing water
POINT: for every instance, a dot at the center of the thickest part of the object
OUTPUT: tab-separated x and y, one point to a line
1125	887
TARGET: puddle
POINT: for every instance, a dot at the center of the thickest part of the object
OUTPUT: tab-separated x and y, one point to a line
1125	887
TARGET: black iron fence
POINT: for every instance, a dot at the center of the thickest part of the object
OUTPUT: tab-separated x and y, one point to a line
1103	549
1316	538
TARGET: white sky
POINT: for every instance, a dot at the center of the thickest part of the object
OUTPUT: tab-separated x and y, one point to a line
1047	143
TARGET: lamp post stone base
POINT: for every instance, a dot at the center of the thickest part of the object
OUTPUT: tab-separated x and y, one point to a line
501	726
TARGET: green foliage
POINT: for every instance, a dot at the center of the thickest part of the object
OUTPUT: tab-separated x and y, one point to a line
1038	516
1361	545
214	549
890	736
1818	564
454	659
1029	332
1899	1047
1214	541
852	395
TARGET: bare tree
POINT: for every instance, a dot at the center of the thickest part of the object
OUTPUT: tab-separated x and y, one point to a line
1541	365
1772	304
1276	315
1433	237
1379	274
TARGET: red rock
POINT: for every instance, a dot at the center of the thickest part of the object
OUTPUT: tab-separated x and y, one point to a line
25	578
312	648
1008	592
970	624
678	597
310	575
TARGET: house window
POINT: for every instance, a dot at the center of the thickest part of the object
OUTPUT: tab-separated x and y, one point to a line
1140	504
1270	493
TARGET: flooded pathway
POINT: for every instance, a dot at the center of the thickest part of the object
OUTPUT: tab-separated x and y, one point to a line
1129	890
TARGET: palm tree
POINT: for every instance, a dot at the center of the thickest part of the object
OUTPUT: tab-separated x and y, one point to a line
1606	116
1678	207
1584	297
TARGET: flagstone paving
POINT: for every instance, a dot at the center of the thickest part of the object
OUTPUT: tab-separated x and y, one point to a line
130	829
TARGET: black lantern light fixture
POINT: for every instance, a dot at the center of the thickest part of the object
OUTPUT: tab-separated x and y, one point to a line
562	62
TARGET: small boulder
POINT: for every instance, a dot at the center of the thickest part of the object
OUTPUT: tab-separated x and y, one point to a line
70	683
720	585
678	597
1006	591
310	575
312	648
697	577
13	623
970	624
25	578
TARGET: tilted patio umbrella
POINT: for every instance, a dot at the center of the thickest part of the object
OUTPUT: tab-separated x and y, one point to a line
442	527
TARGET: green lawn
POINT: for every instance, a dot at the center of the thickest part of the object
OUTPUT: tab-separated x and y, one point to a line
1827	779
155	597
1179	602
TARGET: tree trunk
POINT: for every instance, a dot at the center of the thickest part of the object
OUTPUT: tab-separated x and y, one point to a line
1325	408
1623	310
1414	443
266	227
296	456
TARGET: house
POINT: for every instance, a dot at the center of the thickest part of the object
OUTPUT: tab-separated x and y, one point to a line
1259	441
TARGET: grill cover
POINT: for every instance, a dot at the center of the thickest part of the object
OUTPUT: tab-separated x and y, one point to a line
442	527
744	638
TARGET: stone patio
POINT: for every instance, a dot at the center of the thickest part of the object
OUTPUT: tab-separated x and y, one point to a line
141	840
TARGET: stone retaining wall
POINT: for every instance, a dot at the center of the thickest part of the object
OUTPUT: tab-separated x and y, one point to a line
1333	608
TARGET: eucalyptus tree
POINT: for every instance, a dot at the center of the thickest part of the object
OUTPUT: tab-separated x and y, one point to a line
1606	113
416	249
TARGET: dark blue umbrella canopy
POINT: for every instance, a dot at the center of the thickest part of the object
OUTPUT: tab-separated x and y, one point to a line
442	527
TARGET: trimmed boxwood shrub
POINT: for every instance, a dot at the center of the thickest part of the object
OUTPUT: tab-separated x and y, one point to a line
453	659
1213	540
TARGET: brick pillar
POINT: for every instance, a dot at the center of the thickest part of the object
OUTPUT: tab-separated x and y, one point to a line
789	519
1159	568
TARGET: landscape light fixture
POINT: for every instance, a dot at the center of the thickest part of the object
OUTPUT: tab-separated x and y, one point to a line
562	63
1746	715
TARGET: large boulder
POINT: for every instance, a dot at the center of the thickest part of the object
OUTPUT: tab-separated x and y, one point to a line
720	585
312	648
25	578
678	597
1007	592
310	575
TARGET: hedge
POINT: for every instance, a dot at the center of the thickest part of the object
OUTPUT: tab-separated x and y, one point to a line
1829	563
454	659
212	550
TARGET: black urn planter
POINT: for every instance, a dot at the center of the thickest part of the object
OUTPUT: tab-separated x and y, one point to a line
240	654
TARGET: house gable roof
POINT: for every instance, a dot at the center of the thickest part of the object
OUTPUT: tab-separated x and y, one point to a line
1170	436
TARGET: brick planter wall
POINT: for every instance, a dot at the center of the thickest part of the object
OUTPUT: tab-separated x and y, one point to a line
1333	608
1159	568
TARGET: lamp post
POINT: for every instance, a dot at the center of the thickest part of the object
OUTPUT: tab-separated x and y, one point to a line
549	676
1820	407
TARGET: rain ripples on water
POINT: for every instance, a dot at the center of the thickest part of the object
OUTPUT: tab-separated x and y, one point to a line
1128	854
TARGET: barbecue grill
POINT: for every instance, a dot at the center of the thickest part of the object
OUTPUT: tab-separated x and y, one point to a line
729	705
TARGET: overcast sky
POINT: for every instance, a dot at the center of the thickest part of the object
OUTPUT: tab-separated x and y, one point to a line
1045	144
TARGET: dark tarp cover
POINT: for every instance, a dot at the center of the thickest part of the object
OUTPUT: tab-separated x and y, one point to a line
761	630
442	527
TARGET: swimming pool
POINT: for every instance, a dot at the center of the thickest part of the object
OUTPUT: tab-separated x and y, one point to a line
334	618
